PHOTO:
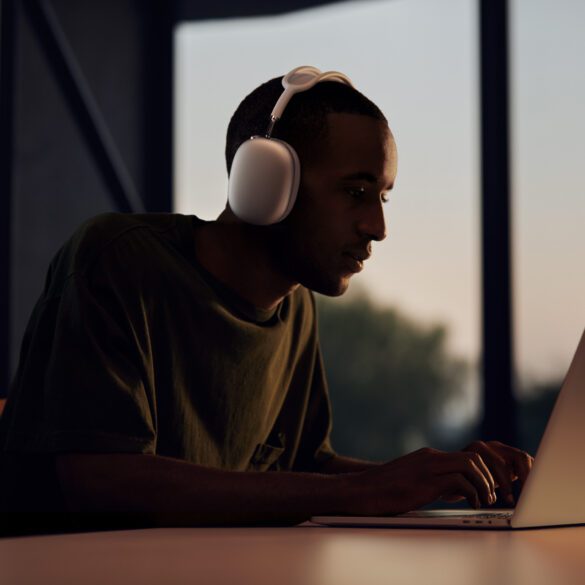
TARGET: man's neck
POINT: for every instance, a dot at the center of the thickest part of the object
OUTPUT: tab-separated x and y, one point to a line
239	256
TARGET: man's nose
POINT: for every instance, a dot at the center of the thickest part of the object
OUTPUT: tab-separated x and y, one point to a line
372	224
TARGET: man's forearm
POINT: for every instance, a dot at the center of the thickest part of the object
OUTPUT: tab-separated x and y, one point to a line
341	464
172	492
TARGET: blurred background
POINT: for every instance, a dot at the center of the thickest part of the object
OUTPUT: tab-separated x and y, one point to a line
464	321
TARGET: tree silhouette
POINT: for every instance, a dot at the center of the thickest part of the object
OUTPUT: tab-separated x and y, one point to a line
389	377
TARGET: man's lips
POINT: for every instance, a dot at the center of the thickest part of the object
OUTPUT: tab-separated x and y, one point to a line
359	256
355	260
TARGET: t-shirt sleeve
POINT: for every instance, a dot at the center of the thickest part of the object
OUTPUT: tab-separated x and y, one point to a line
98	391
315	446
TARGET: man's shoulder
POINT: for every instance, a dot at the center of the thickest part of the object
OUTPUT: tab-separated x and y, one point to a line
108	227
103	237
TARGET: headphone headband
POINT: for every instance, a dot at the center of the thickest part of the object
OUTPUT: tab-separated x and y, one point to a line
301	79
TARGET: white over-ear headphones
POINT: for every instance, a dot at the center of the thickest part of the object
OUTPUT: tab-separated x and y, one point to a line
265	173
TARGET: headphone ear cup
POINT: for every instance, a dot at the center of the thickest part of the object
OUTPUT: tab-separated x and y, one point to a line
264	180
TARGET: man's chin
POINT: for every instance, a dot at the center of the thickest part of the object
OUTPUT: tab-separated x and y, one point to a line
330	288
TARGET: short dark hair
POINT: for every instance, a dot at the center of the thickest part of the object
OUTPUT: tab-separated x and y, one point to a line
304	117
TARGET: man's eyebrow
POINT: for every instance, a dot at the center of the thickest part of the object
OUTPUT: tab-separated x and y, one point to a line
365	176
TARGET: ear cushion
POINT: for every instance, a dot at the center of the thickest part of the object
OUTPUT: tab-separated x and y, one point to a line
264	180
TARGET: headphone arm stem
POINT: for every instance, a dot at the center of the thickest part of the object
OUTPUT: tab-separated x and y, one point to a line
270	128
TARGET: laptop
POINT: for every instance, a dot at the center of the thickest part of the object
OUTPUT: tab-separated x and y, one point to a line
553	494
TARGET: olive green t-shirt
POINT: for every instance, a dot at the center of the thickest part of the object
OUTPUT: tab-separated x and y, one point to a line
133	347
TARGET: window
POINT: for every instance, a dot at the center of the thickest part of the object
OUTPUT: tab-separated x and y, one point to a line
418	61
548	125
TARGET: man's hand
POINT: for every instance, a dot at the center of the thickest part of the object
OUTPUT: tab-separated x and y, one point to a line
506	465
427	475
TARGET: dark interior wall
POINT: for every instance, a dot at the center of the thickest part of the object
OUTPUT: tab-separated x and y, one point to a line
120	46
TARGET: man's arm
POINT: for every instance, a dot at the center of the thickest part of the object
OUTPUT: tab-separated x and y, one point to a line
341	464
171	492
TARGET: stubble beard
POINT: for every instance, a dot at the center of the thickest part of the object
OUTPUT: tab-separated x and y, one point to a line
299	263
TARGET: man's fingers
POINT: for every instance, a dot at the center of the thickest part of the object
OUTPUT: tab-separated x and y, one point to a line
519	461
455	485
523	466
474	470
501	471
506	463
479	461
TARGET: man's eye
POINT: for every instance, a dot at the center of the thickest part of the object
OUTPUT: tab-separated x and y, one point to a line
385	197
357	192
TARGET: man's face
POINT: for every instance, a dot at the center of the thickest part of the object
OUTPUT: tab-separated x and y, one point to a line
338	212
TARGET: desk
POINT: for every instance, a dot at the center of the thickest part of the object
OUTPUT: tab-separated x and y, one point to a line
303	555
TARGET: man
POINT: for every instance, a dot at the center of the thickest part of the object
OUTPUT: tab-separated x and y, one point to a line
170	361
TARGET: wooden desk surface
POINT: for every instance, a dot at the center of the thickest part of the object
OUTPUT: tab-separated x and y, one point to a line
304	555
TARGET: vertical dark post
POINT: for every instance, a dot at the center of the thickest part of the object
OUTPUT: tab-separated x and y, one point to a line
158	110
7	65
499	420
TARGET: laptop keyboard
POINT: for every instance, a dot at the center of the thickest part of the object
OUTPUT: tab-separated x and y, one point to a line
489	515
